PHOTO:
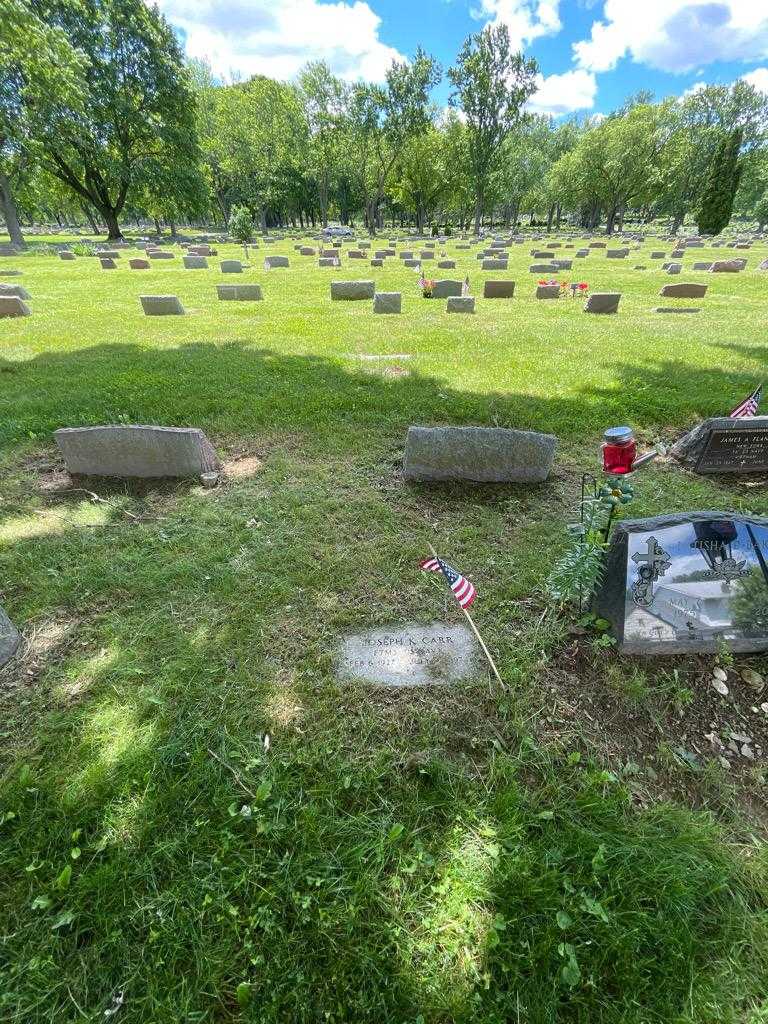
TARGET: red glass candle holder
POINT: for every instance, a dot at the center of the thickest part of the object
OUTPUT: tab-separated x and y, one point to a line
619	451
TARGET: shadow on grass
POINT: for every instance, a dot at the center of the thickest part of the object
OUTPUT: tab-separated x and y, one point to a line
353	867
238	388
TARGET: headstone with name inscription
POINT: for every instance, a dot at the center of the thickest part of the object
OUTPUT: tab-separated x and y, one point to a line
689	582
410	655
722	444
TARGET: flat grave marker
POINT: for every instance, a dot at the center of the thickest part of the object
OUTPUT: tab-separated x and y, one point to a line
410	655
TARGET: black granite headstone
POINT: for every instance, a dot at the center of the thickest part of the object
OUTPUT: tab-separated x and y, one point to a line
725	445
687	582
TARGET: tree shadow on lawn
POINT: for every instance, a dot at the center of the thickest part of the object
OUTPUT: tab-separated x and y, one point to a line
234	387
372	876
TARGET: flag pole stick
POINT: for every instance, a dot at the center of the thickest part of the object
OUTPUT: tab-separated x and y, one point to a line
475	630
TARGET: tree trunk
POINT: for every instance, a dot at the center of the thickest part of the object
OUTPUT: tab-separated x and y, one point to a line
8	206
90	218
158	229
558	216
677	223
550	217
114	234
478	211
611	220
370	216
172	226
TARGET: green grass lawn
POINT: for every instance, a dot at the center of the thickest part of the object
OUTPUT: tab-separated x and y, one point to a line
197	818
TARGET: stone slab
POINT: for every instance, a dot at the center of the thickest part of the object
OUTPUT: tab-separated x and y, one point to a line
161	305
387	302
446	264
239	292
494	265
231	266
547	291
195	262
499	290
602	302
270	262
135	450
13	306
9	638
460	304
543	268
677	309
445	288
138	264
351	291
687	583
15	289
725	445
684	291
727	266
480	454
108	263
410	655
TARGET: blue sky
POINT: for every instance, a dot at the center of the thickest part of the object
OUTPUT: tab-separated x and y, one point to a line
592	53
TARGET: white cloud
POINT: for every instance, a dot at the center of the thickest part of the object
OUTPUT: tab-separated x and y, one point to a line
562	94
675	35
525	19
276	37
758	79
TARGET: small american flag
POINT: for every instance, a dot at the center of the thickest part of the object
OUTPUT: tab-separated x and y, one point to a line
462	589
749	406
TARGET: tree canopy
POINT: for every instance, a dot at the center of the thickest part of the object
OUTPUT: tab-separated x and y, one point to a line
102	117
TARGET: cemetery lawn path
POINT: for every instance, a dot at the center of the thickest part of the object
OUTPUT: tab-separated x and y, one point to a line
199	822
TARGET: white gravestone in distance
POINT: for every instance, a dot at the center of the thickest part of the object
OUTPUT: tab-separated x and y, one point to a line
410	655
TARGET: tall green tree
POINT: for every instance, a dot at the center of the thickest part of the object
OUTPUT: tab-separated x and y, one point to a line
40	75
325	100
721	185
490	84
615	164
137	112
385	119
696	124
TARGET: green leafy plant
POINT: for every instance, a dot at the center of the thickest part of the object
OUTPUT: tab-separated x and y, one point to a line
575	576
241	224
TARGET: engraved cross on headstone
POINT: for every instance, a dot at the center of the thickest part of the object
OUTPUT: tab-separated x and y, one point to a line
651	565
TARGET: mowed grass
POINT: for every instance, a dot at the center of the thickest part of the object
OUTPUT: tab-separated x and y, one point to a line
199	823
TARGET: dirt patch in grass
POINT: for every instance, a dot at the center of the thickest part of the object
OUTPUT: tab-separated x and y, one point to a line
662	726
43	643
242	467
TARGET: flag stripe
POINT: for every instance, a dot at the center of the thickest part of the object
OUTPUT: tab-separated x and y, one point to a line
748	408
460	586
